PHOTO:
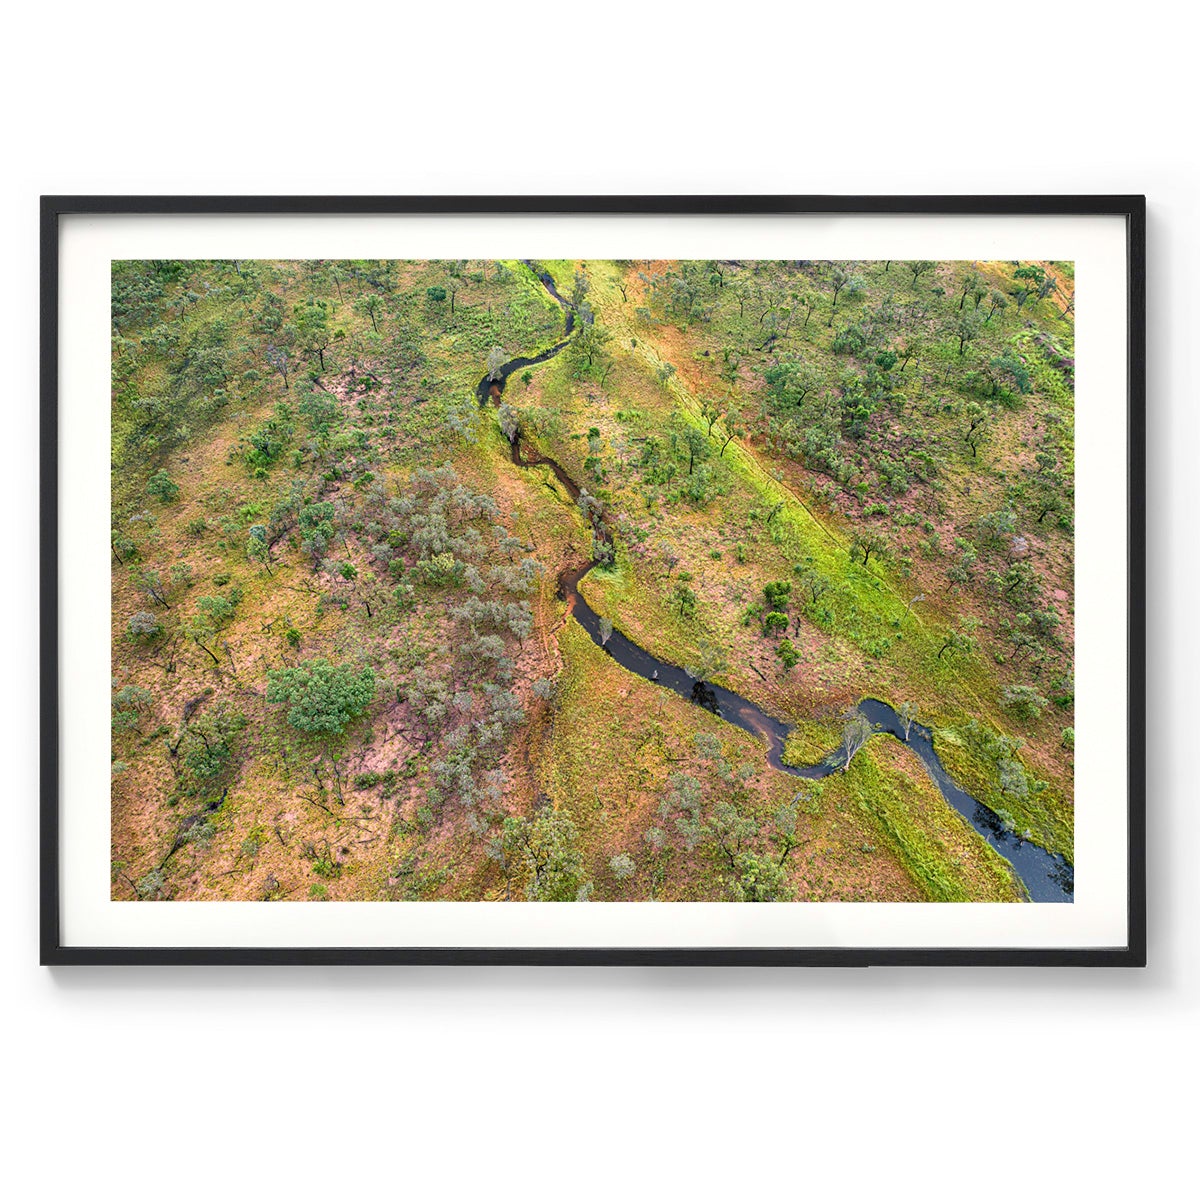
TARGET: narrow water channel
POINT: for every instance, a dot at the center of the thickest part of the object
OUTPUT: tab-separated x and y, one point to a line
1047	878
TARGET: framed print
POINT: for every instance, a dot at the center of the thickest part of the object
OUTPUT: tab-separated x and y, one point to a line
680	580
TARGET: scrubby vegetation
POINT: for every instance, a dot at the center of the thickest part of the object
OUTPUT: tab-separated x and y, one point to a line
344	664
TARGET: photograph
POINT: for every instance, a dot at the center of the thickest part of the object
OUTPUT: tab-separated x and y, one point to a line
608	580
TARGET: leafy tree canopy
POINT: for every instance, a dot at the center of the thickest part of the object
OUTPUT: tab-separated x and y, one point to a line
323	698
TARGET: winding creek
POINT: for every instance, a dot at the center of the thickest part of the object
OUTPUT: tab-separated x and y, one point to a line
1047	878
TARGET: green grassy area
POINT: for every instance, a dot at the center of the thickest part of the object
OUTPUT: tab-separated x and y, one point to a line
937	848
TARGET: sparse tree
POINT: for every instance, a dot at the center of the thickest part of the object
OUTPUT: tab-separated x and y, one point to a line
695	445
312	329
711	411
258	546
277	357
812	581
786	821
915	600
150	583
124	550
855	734
370	304
510	424
1024	702
976	418
839	278
867	542
759	879
1031	275
1029	281
709	662
967	328
683	598
733	429
809	301
143	626
622	867
580	286
787	654
200	630
1047	494
919	268
548	848
162	486
960	640
792	380
912	347
774	623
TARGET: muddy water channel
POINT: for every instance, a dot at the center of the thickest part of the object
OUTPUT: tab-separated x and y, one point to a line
1047	878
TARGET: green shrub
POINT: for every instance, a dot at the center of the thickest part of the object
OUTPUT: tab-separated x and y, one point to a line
163	487
789	656
1024	702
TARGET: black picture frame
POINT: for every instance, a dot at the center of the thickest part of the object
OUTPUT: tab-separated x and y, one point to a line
1132	208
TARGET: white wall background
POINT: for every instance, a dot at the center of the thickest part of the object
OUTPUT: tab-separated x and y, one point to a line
574	1082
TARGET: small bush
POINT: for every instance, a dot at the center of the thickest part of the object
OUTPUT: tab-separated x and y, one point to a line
162	486
789	656
143	626
1024	702
622	866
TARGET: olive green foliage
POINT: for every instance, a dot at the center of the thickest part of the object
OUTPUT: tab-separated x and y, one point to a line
129	704
706	813
1024	701
546	848
162	486
207	744
321	698
788	655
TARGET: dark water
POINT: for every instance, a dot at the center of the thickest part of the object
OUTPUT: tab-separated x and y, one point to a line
1047	878
488	387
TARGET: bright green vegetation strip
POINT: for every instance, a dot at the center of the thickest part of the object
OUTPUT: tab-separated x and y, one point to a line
979	760
938	849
